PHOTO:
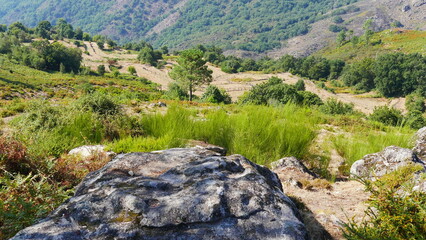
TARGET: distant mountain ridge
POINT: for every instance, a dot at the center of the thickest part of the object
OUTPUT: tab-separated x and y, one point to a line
242	27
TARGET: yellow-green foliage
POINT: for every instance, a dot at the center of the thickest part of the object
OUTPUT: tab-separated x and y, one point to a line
400	40
395	212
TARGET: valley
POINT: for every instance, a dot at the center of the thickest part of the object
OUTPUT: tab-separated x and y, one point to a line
190	119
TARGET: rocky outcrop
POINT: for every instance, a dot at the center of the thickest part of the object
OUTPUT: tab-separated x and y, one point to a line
420	144
378	164
191	193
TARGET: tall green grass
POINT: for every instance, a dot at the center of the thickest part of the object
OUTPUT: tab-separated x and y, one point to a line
354	146
262	134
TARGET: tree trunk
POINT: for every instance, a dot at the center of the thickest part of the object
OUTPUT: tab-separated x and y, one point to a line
190	93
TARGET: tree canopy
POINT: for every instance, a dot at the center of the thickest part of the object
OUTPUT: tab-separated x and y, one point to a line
191	70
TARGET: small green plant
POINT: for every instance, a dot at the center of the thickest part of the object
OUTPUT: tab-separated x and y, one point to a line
132	70
176	92
395	211
101	70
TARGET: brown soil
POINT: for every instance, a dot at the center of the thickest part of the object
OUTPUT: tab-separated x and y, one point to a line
328	209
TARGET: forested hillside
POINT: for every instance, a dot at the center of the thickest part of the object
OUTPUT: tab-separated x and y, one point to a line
251	25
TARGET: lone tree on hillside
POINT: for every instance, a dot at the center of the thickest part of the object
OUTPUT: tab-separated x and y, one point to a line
191	70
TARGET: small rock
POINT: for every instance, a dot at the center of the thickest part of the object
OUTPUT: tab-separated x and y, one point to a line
90	150
159	104
406	8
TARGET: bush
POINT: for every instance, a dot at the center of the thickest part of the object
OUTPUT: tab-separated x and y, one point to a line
215	95
13	156
176	92
300	85
101	70
386	115
98	103
333	106
275	90
415	102
132	70
415	120
310	98
392	215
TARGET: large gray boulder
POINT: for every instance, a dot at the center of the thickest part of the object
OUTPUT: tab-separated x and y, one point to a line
191	193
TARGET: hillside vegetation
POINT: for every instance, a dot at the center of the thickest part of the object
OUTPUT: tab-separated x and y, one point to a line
248	25
388	41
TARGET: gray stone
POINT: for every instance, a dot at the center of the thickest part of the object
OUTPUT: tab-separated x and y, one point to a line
376	165
289	164
420	144
90	150
159	104
191	193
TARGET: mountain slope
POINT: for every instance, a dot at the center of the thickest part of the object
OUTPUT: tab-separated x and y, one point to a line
239	26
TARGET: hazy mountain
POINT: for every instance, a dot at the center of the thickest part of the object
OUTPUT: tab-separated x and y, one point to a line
239	26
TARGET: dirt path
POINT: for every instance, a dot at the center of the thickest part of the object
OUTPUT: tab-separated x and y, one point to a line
234	84
331	208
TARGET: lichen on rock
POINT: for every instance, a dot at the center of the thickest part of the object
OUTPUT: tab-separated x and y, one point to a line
191	193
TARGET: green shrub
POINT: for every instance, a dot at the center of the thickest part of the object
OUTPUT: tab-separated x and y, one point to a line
310	98
132	70
387	116
274	89
334	106
215	95
415	102
176	92
392	215
300	85
415	120
101	70
98	103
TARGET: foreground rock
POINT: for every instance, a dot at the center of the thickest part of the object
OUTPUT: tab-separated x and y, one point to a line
190	193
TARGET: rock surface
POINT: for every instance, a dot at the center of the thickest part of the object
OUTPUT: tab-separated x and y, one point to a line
90	150
376	165
420	147
192	193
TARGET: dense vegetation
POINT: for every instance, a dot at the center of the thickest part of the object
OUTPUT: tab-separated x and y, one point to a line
236	21
272	120
248	25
